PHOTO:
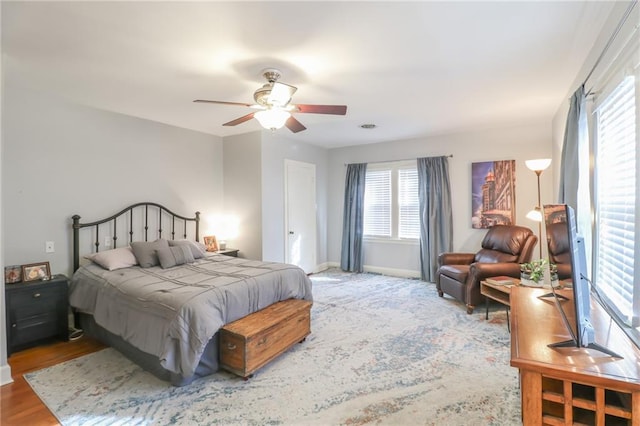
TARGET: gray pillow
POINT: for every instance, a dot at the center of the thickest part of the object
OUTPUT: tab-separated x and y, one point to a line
172	256
145	251
197	249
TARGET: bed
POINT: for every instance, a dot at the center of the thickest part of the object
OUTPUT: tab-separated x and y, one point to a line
165	315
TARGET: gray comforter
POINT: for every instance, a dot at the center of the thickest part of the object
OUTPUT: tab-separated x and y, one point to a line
173	313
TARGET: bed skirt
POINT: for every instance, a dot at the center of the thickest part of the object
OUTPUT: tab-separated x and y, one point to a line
208	362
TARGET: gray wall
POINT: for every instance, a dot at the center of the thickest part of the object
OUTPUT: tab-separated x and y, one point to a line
62	159
520	143
599	73
243	191
254	191
5	371
276	147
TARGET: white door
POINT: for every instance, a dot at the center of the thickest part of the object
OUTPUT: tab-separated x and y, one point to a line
300	214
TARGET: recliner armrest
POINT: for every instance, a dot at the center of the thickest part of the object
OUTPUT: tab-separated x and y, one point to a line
456	258
479	271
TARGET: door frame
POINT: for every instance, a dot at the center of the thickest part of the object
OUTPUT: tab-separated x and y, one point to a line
287	249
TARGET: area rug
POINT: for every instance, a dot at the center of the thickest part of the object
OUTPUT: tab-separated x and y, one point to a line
383	350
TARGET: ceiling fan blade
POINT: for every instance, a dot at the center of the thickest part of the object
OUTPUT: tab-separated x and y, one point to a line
239	120
281	94
294	125
223	102
322	109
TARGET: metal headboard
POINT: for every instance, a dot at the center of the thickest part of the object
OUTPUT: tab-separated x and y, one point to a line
112	220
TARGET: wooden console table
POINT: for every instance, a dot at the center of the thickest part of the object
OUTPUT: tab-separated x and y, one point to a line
566	386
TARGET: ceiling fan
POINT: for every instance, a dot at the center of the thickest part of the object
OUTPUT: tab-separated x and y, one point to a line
275	110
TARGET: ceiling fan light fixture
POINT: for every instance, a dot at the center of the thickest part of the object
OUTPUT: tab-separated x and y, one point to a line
273	118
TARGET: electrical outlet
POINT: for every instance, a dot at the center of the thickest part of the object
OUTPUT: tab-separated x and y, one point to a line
107	241
49	247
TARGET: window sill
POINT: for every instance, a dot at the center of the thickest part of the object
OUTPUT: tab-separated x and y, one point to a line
395	241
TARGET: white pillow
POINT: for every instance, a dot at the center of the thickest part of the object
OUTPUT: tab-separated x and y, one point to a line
114	259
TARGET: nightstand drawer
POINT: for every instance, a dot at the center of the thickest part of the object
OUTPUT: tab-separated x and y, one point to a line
38	326
36	311
37	298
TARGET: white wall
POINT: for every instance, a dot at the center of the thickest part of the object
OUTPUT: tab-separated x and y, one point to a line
520	143
276	147
62	159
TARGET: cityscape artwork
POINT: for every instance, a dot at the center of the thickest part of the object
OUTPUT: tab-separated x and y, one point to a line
493	193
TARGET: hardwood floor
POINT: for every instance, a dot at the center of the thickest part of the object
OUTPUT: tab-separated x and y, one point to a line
19	404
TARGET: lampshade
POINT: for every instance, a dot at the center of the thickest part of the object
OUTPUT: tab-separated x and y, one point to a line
273	118
539	164
535	215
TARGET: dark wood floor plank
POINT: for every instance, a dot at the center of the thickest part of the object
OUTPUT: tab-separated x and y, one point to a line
19	404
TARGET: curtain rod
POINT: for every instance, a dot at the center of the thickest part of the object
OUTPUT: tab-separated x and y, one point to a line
393	161
611	39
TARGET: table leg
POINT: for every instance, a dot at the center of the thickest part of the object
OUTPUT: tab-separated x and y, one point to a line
486	304
508	322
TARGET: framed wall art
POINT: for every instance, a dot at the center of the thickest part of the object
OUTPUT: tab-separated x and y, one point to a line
36	271
493	193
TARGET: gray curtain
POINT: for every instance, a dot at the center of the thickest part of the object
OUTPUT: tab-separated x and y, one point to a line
436	219
568	192
353	218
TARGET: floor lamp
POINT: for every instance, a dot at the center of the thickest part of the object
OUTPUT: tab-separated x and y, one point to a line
538	166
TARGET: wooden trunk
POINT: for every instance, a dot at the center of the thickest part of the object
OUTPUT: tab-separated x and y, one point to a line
250	342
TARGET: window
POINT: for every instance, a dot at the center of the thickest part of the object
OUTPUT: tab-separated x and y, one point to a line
377	203
391	206
616	202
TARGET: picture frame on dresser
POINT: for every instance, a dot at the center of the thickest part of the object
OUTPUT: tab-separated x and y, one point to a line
36	271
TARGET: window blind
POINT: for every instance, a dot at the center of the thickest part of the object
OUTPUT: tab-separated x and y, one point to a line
616	199
377	203
408	204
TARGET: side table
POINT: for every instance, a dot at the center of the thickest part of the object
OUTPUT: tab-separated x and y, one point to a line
229	252
500	293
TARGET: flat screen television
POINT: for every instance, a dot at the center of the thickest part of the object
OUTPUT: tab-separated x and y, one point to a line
582	332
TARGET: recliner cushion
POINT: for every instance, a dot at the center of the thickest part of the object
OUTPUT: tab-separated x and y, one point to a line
559	250
505	239
494	256
457	272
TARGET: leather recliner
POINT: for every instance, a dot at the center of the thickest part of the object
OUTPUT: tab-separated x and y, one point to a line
559	250
504	248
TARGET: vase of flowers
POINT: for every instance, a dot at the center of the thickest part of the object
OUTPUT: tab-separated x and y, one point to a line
532	273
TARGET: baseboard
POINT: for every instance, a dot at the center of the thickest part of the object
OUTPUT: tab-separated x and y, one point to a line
5	375
322	267
402	273
332	265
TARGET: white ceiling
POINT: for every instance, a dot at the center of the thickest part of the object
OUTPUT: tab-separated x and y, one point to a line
412	68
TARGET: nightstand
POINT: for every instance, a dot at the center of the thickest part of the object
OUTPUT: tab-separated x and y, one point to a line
229	252
36	311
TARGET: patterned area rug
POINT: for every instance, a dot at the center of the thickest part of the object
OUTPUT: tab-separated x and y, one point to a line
382	350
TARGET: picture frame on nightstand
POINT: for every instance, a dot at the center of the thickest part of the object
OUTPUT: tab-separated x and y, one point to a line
36	271
211	242
12	274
